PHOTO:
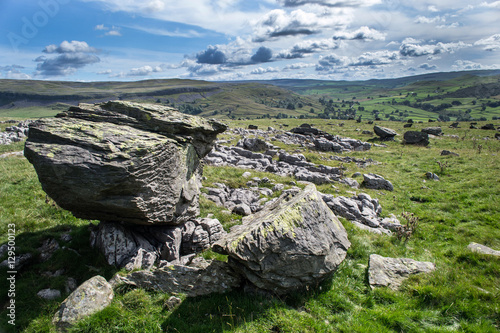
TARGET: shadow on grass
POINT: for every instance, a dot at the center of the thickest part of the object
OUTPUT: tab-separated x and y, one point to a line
237	309
74	259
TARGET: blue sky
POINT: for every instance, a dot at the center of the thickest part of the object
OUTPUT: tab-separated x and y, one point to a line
103	40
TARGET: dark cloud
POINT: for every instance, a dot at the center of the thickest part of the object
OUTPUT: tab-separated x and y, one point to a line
72	56
427	67
212	55
263	54
304	48
65	64
330	3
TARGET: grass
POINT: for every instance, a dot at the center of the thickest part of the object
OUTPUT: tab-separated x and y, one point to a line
462	295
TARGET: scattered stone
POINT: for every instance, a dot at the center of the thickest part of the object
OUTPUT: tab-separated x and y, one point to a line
454	125
292	243
385	133
246	174
207	278
356	174
122	161
172	303
48	248
349	182
368	133
437	131
488	127
253	127
376	182
92	296
408	125
447	152
432	176
416	138
479	248
70	285
49	294
278	187
391	272
20	261
15	133
242	209
66	237
12	154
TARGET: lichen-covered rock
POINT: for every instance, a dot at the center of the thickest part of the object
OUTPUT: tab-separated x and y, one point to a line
433	131
121	161
292	243
479	248
92	296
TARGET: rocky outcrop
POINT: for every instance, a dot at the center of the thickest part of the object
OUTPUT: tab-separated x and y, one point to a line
416	138
92	296
287	164
391	272
292	243
122	161
15	133
384	133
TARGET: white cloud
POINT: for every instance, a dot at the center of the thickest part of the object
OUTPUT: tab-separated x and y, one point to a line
411	48
423	19
363	33
491	43
70	47
279	23
330	3
260	70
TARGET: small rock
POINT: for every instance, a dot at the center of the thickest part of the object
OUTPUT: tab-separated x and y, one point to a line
488	127
475	247
172	303
384	133
447	152
48	248
377	182
432	176
92	296
49	294
356	174
246	174
242	209
70	285
437	131
391	272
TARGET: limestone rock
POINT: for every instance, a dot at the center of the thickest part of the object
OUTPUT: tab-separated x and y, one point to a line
92	296
208	278
384	133
391	272
292	243
416	138
121	161
376	182
475	247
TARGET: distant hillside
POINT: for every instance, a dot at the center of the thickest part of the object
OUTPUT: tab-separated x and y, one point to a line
470	95
233	100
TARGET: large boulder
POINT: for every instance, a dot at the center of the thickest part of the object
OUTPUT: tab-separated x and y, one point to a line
384	133
92	296
416	138
292	243
122	161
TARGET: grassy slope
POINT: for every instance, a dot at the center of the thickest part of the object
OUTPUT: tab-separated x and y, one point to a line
462	295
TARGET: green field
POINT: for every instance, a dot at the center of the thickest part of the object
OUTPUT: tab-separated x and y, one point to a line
462	295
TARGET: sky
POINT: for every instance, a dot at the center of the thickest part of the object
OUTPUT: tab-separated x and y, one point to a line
224	40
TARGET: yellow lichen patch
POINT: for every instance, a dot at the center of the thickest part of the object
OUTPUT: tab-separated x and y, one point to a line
234	244
285	221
